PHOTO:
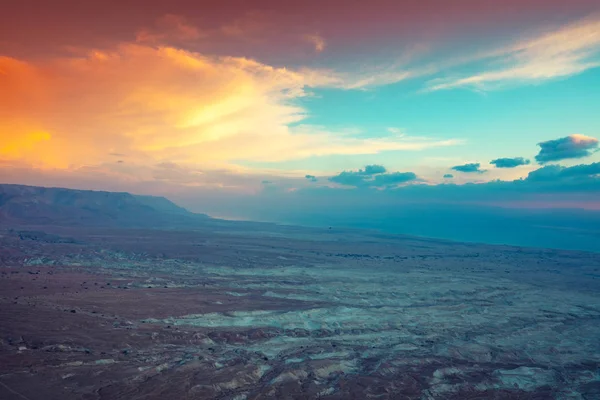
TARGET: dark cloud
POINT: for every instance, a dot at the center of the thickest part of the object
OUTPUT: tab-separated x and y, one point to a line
469	168
266	182
555	173
373	169
548	182
120	161
509	162
448	176
573	146
372	176
311	178
545	174
348	178
394	178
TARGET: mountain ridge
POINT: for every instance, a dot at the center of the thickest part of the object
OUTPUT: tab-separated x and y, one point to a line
33	205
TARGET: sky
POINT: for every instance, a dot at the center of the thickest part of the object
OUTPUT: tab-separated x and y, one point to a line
221	104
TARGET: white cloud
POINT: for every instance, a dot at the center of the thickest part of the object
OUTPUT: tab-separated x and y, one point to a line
566	51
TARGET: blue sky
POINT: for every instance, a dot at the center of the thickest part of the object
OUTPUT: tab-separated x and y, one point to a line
507	122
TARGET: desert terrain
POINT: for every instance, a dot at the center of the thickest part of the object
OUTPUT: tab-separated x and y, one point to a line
239	311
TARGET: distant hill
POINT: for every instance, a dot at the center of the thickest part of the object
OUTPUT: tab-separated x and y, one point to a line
33	205
161	204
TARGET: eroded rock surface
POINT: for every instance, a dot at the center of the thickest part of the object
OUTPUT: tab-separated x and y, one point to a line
292	314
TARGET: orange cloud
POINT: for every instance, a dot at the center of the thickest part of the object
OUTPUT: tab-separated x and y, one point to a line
317	41
14	146
161	103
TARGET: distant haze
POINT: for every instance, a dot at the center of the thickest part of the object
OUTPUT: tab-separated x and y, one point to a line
574	229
